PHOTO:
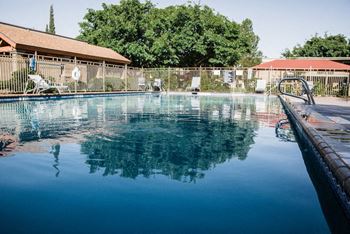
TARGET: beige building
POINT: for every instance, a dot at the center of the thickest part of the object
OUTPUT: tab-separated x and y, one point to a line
55	58
16	39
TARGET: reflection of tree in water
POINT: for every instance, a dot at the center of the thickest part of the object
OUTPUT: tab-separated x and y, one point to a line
55	150
181	146
176	136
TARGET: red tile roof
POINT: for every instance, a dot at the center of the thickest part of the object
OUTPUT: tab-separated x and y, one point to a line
32	40
302	64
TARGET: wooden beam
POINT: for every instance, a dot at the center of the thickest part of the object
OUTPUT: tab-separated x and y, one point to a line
7	40
66	53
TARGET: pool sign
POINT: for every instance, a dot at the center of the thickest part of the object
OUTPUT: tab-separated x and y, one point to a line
76	74
239	72
216	72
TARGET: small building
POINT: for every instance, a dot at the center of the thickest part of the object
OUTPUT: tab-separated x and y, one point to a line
330	76
303	65
55	57
20	40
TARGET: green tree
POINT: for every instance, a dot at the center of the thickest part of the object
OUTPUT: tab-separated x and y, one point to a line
185	35
249	54
318	46
51	28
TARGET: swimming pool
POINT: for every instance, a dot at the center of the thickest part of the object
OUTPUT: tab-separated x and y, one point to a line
154	164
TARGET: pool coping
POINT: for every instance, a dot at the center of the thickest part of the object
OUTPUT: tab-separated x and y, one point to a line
336	169
51	96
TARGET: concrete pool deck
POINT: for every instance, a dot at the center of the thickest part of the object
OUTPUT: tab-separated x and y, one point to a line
327	126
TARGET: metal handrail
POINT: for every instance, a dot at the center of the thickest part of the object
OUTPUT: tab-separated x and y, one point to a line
309	100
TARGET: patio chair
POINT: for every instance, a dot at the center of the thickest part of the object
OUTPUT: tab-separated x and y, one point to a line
196	84
141	83
41	85
157	85
260	86
229	77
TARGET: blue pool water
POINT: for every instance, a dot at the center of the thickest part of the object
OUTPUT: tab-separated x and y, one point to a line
154	164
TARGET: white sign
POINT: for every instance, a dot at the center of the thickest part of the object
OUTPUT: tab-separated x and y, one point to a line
216	72
239	72
76	74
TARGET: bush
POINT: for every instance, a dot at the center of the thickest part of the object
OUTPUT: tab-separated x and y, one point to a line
109	86
18	81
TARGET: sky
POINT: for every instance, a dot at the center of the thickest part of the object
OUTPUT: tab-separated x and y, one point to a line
280	24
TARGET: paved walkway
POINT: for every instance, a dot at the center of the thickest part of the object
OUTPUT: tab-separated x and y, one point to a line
330	117
333	101
336	109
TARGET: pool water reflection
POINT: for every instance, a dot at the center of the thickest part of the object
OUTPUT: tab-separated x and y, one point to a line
154	164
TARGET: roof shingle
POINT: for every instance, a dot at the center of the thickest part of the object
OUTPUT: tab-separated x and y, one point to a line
302	64
28	39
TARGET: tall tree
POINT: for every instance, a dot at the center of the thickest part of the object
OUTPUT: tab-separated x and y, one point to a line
318	46
52	28
249	53
185	35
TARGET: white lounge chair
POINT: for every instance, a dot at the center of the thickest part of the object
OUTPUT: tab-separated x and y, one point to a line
157	85
141	83
196	84
41	85
260	86
229	77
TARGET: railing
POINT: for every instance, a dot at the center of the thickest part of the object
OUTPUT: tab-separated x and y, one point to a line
326	82
98	77
299	93
103	77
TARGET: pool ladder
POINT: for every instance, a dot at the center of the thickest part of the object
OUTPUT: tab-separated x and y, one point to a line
309	99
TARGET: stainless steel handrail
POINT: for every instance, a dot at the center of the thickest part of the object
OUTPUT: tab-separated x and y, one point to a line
309	100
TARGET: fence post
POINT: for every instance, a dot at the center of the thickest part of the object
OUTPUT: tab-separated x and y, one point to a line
144	79
36	61
126	76
270	83
348	85
104	75
326	85
168	79
200	77
75	82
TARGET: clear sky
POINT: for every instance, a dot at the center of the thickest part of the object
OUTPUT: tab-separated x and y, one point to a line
280	24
